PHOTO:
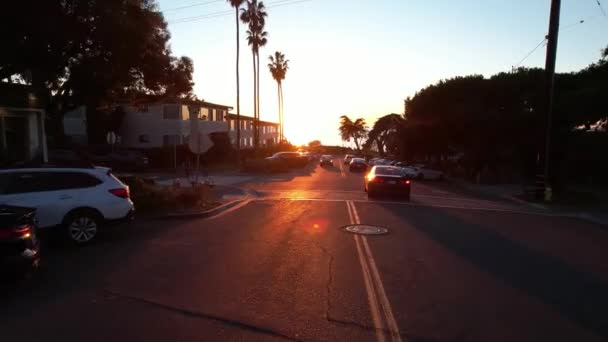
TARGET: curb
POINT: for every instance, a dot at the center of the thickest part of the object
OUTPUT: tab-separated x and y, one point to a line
200	214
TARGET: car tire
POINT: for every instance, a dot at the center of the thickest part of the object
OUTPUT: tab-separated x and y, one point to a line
82	226
370	194
420	176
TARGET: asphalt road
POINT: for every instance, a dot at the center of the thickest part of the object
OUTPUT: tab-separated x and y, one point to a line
454	266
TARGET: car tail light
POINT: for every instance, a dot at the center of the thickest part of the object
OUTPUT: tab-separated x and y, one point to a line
377	180
406	181
120	192
24	231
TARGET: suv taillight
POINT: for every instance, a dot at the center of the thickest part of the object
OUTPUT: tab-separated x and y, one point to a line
24	231
120	192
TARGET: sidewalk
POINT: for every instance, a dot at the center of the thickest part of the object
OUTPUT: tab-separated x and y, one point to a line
594	211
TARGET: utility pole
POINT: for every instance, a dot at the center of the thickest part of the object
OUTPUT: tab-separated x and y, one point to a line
549	90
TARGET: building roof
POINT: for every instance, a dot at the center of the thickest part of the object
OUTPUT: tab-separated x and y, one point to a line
155	99
245	117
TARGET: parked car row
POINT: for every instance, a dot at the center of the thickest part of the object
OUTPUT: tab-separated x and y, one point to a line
124	160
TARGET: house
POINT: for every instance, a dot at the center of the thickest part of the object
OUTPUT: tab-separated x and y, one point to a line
22	125
168	124
269	131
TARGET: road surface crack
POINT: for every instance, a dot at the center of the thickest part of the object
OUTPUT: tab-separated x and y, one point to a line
198	314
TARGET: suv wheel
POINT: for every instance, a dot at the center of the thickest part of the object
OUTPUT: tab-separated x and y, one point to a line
82	226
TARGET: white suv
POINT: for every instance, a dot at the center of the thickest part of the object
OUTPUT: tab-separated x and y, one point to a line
79	200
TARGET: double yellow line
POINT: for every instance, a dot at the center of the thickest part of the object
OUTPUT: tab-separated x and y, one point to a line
382	313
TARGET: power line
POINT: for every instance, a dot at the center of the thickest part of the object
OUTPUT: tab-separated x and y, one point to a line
273	4
599	4
191	5
542	42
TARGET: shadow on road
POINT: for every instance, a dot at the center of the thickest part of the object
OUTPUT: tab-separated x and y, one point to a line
578	295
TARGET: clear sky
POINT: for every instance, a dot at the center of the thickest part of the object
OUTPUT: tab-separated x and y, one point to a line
363	57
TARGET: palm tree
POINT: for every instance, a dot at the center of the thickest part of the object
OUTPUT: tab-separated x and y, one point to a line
278	68
237	4
354	130
255	16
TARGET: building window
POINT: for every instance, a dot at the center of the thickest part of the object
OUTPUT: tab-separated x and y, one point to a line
211	115
250	141
232	125
171	112
144	138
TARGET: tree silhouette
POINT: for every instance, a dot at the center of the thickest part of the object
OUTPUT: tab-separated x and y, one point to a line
255	16
355	130
236	4
278	67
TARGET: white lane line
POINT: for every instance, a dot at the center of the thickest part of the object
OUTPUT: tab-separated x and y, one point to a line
227	211
369	288
377	281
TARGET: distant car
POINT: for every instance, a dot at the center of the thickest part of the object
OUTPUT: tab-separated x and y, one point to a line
19	244
124	160
387	180
348	158
357	164
423	173
79	201
326	160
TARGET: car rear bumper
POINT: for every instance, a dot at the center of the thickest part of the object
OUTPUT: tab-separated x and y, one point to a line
389	189
130	217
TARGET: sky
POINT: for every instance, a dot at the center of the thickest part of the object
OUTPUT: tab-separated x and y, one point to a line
362	58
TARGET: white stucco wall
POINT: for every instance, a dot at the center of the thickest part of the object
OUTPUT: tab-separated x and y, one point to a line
151	123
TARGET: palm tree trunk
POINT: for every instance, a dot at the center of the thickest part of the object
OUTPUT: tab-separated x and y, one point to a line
279	101
258	95
255	107
238	90
282	115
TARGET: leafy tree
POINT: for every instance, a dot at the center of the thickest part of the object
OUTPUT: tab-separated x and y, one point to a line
384	133
278	68
355	130
92	53
315	144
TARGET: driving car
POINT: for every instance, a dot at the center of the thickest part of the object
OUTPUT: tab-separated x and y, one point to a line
357	164
326	160
19	245
348	158
77	201
287	159
389	180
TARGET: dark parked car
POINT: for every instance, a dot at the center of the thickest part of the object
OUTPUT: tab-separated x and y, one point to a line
19	245
127	160
287	159
388	180
357	164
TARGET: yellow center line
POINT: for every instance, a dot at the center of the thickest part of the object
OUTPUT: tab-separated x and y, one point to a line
375	286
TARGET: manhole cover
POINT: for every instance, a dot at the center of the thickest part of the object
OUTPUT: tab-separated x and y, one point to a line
365	229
